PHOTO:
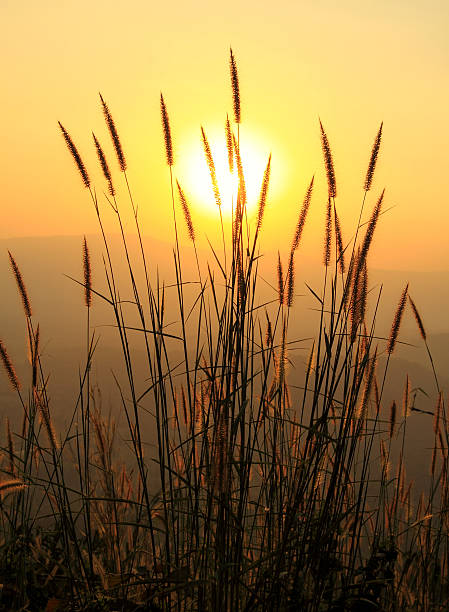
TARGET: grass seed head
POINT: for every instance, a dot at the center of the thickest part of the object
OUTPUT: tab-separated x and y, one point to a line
114	135
229	145
373	160
211	166
186	211
418	319
397	322
327	234
290	280
263	194
76	156
167	133
238	159
104	165
87	270
302	216
280	281
9	368
235	88
21	286
328	163
11	486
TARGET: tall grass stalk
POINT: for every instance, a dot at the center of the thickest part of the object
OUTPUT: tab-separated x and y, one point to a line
245	483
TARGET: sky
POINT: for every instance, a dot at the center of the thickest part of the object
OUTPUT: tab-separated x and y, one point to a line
352	63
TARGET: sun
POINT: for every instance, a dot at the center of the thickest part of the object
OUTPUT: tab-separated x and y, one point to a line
196	179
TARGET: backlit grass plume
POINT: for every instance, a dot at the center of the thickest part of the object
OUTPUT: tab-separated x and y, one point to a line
269	331
263	194
418	319
21	286
211	166
328	163
167	132
87	271
327	234
246	473
362	409
11	486
397	321
280	276
373	160
186	211
290	280
9	368
235	88
76	156
114	135
238	159
359	285
302	216
238	216
104	165
229	145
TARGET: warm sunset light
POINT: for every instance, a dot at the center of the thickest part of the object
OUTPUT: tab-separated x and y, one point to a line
224	332
192	166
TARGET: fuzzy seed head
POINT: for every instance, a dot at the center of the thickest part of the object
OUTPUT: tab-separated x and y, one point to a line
238	159
104	165
186	211
114	135
280	281
373	160
87	275
397	322
229	146
327	234
21	286
76	156
211	166
302	216
328	163
263	194
418	319
235	88
11	486
9	368
167	133
291	280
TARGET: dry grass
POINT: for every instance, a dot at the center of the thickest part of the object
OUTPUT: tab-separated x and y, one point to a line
264	489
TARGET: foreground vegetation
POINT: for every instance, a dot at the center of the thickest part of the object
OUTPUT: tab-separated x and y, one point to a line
266	489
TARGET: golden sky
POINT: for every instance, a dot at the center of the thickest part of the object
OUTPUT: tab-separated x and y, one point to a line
352	63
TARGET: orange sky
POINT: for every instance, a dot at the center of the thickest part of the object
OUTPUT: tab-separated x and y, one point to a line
353	63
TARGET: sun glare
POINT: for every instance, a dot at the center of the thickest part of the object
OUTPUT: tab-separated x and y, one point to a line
196	178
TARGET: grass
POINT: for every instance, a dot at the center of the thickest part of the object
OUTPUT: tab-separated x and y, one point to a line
266	491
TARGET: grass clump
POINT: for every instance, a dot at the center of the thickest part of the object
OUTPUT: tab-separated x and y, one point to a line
266	490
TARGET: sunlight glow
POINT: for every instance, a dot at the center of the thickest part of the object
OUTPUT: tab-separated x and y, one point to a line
196	179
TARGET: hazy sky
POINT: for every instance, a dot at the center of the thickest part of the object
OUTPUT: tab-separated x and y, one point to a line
353	63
